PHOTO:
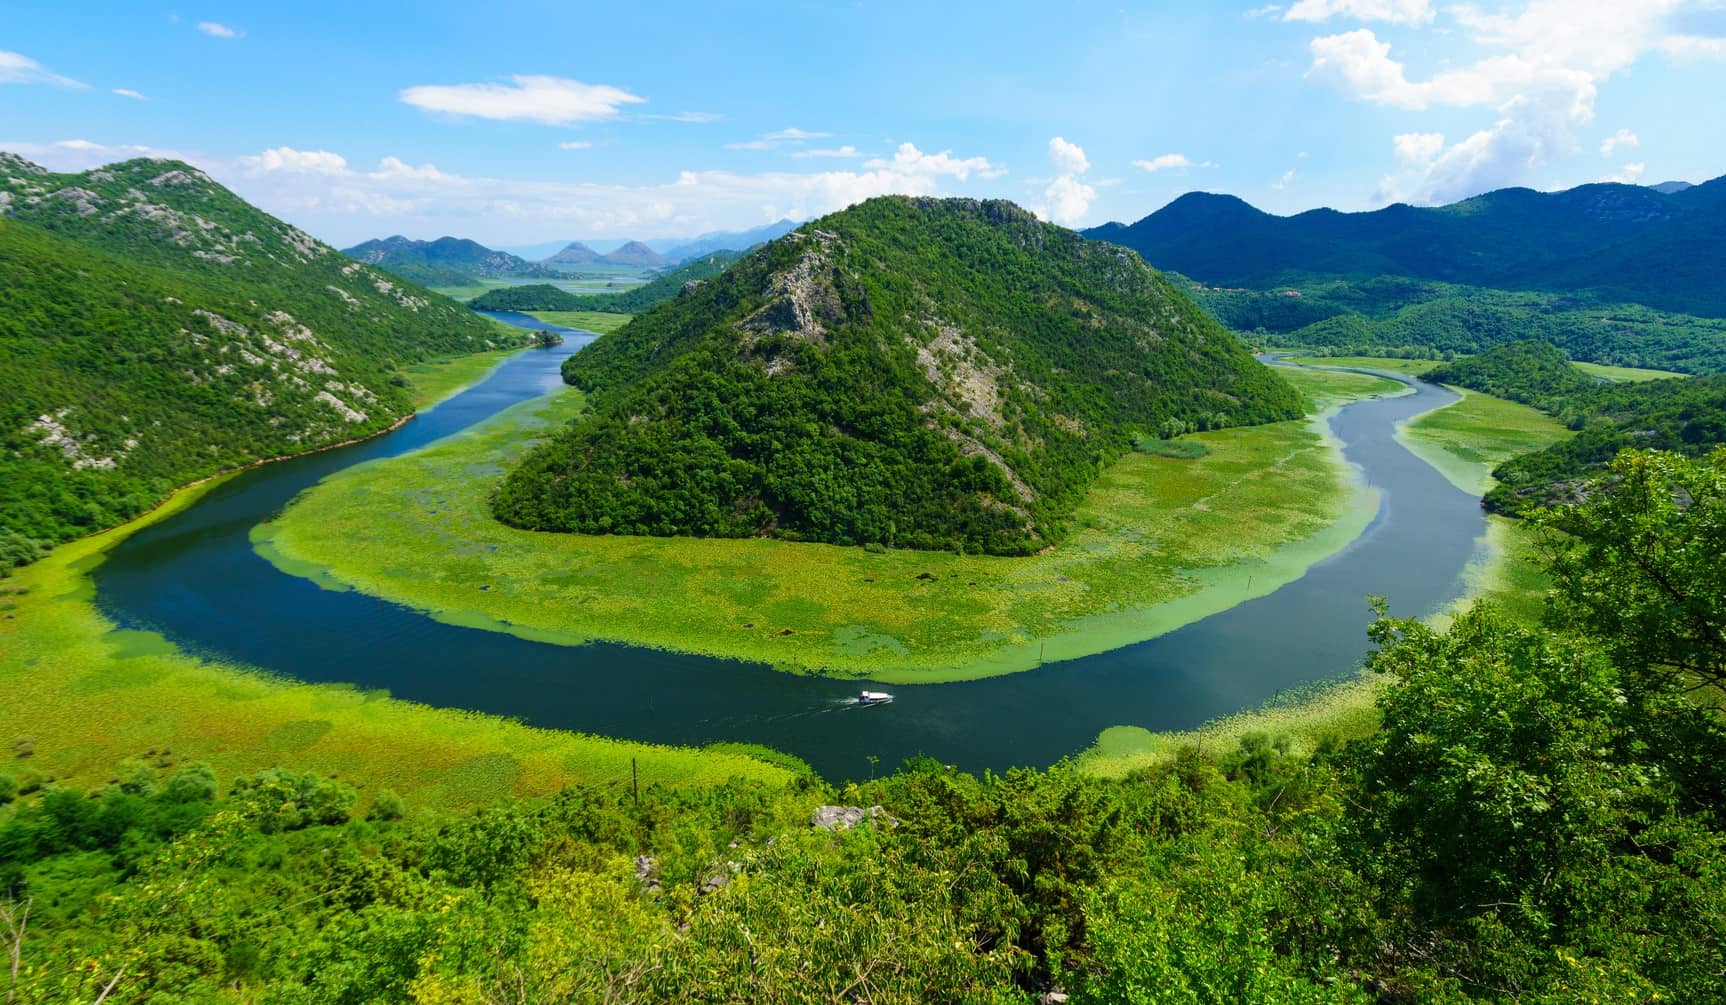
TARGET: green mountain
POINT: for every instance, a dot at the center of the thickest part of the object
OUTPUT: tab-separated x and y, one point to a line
157	329
574	253
447	261
546	297
1620	242
909	372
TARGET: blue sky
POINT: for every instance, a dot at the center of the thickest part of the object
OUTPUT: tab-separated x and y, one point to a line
521	122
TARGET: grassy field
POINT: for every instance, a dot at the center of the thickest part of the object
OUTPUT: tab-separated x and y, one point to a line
1623	374
83	697
434	381
592	321
1159	543
1410	367
1466	440
619	279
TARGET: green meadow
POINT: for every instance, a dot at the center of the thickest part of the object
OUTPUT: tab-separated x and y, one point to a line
1624	374
593	321
83	696
433	381
1160	542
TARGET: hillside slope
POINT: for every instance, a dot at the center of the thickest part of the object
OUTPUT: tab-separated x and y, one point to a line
1622	242
157	329
910	372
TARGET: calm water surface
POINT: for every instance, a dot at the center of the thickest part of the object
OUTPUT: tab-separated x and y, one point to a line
195	579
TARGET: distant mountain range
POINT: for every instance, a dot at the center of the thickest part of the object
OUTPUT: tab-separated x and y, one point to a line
672	249
1659	246
447	261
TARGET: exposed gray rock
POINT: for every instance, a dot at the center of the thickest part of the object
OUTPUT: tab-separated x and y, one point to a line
843	818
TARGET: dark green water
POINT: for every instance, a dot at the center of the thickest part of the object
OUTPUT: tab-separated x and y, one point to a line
195	578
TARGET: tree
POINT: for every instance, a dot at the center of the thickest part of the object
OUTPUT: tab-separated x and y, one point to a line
1639	567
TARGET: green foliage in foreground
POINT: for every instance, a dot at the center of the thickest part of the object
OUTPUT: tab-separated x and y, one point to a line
913	373
635	300
155	329
1536	820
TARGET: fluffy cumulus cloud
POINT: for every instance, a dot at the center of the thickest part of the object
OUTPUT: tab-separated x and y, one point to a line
1394	11
1170	162
215	29
1538	72
551	101
1630	174
17	68
1067	197
1621	138
287	160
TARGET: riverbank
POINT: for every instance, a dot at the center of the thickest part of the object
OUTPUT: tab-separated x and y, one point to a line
1159	543
82	696
1464	441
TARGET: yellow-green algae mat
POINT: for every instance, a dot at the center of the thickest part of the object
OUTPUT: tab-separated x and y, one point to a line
88	697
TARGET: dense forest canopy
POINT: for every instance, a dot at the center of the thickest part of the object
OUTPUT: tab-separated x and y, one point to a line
1686	415
911	372
1414	317
157	329
1618	243
1536	820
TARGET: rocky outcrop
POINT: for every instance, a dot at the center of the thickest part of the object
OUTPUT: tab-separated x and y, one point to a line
843	818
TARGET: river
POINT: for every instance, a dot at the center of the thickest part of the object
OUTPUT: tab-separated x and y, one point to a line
195	578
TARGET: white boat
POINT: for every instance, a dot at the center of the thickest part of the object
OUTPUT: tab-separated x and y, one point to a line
873	697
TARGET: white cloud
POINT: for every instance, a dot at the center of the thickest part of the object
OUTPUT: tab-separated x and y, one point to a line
1169	162
287	160
1268	10
1621	138
1418	148
1068	158
1067	197
1631	174
216	30
127	92
688	117
1394	11
780	138
846	151
910	162
1693	46
1540	69
1283	182
576	145
17	68
552	101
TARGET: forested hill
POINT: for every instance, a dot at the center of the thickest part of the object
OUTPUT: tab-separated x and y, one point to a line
546	297
1617	242
1685	415
157	329
913	372
447	261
